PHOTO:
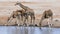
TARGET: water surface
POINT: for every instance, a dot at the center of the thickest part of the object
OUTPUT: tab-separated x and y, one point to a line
28	30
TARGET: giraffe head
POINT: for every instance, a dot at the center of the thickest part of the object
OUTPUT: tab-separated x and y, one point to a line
18	3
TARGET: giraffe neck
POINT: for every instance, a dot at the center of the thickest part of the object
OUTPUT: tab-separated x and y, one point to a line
22	6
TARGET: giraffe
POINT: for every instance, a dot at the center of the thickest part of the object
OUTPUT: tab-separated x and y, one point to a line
47	14
29	11
16	14
24	16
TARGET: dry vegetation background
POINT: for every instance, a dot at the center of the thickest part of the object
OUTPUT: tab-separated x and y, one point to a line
39	6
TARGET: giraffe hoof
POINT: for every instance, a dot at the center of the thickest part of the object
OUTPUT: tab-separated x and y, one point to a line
36	25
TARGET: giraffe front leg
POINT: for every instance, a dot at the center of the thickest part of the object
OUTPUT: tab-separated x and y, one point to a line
21	17
27	19
31	22
18	21
51	23
10	20
24	23
40	23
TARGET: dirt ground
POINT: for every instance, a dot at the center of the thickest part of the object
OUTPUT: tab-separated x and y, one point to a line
3	21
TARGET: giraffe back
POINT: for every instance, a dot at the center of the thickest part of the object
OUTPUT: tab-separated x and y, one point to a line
47	14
